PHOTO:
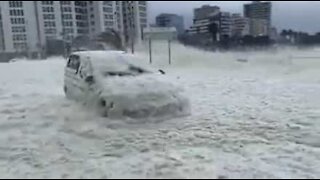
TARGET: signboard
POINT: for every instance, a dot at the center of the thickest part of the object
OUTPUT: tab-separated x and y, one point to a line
160	33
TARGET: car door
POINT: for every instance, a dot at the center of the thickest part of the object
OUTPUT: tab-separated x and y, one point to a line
87	87
72	78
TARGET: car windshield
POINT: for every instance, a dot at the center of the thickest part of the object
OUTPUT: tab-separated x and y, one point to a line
131	71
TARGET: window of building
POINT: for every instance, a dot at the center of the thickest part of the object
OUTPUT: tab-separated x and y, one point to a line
18	29
16	12
92	23
143	14
47	2
20	46
50	31
142	8
82	31
67	23
66	9
108	23
17	21
108	16
108	3
19	37
47	9
66	16
68	30
15	4
107	9
66	2
49	24
48	16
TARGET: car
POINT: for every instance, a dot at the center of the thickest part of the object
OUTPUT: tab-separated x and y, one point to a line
112	83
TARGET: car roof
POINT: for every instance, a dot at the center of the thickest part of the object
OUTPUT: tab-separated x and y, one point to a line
96	53
107	60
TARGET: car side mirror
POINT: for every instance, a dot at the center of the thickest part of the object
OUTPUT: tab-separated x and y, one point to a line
89	79
161	71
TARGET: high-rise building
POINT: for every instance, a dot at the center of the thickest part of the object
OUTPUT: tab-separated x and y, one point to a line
30	25
259	27
207	16
20	32
134	19
240	25
259	13
205	11
104	15
1	34
170	20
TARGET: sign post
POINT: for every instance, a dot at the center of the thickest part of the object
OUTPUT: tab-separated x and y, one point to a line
169	50
150	51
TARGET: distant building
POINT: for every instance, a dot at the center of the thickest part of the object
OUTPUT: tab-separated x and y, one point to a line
170	20
208	15
240	25
259	27
260	13
274	34
205	11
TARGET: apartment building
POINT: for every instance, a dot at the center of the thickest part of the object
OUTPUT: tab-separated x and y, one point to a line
260	17
30	25
208	15
240	25
1	34
170	20
134	19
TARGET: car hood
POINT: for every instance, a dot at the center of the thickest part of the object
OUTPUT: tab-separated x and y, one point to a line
142	96
138	85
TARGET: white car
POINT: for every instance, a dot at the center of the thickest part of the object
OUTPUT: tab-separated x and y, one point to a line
116	87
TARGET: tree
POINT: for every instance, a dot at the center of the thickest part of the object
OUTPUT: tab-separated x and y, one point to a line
110	38
80	42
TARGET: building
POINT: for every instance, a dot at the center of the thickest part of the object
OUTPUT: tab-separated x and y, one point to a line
259	27
1	34
205	11
211	15
258	10
170	20
32	25
225	24
240	26
20	33
134	20
105	15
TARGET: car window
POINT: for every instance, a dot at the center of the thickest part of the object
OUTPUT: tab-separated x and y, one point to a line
74	62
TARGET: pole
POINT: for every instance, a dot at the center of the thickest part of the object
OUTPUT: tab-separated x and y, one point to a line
169	49
131	27
150	51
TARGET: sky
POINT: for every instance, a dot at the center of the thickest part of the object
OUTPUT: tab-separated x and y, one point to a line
297	15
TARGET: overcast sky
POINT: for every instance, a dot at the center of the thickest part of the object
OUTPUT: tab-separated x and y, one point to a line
298	15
